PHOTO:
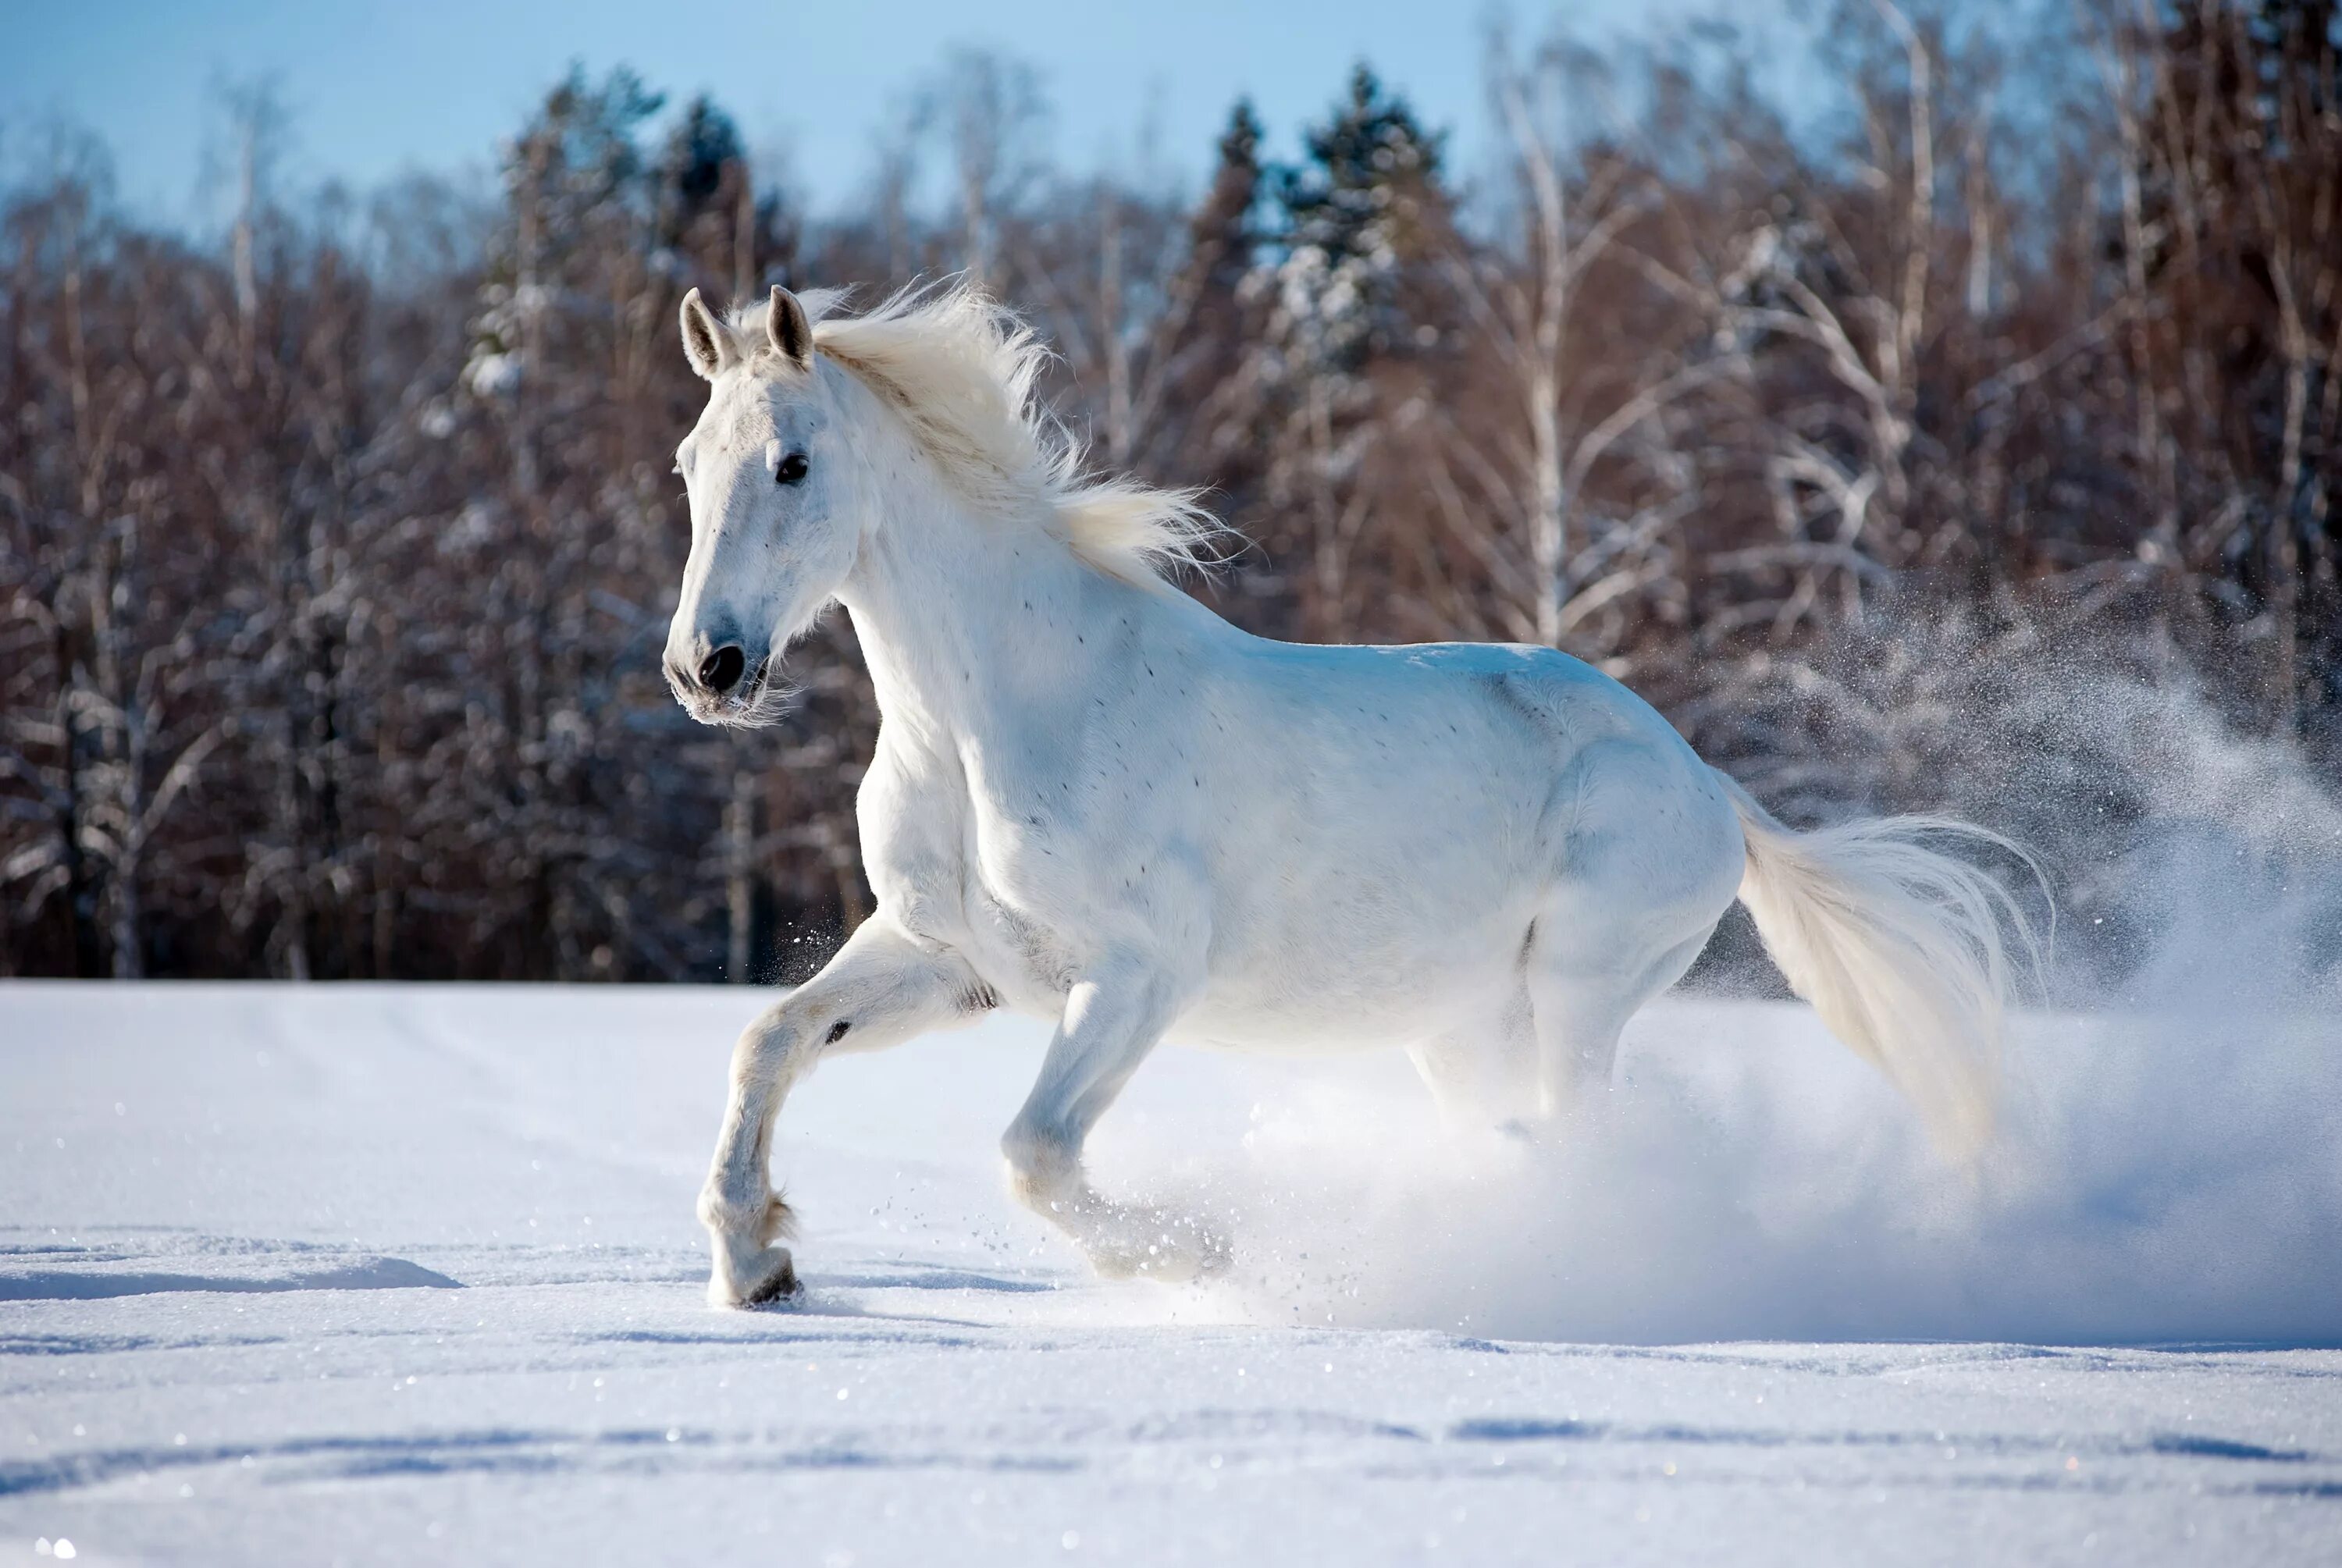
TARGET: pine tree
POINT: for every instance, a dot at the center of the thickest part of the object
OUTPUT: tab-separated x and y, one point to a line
1227	230
575	192
703	154
1204	401
1364	218
1363	210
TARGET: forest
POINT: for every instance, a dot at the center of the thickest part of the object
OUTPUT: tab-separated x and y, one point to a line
1915	437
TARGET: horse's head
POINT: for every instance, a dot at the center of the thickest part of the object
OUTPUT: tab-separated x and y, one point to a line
773	531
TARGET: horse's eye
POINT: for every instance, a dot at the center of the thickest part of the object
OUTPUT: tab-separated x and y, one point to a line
792	468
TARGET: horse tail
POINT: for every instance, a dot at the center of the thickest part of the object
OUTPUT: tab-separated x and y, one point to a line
1910	955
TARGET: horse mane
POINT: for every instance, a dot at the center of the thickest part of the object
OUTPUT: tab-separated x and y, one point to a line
960	368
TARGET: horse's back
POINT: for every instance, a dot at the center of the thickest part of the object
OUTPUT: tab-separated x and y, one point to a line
1513	742
1397	819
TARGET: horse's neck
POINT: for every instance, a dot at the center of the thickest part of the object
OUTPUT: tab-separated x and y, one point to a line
975	632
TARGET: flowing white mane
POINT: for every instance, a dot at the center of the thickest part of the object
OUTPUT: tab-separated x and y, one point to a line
960	369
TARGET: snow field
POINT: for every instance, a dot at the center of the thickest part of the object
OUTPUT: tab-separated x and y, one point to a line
409	1273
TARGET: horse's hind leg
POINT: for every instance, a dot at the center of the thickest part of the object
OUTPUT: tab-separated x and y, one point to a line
1648	857
1484	1071
883	986
1583	987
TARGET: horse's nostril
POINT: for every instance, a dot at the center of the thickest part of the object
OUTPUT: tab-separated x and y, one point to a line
720	669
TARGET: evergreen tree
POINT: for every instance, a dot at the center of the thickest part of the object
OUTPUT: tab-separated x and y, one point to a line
580	155
702	154
1227	230
1364	209
574	195
1348	286
1207	408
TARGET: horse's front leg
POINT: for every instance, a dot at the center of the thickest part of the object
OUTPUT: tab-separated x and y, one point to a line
1112	1020
883	986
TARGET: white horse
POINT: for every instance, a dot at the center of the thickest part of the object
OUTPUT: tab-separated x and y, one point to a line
1094	801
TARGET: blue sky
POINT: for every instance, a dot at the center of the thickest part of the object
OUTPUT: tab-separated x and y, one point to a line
378	88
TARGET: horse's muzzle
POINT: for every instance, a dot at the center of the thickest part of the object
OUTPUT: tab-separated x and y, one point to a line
726	689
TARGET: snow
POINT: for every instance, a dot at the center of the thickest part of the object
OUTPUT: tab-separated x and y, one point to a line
410	1274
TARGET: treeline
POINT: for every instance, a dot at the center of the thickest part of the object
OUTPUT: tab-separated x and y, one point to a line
335	555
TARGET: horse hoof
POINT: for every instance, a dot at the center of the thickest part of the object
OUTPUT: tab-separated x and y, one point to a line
770	1279
780	1287
1195	1254
1207	1258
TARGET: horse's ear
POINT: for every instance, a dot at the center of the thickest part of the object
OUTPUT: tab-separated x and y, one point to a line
791	331
706	342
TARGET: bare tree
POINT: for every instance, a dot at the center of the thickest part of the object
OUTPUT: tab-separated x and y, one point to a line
335	544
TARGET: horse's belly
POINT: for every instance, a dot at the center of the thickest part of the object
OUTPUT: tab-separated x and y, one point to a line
1237	1018
1333	984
